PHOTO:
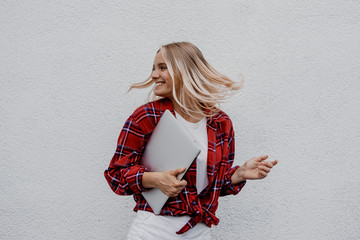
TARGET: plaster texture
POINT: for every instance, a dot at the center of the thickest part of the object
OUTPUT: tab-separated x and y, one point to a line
65	67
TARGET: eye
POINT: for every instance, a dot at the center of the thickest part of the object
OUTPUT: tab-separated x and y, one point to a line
163	67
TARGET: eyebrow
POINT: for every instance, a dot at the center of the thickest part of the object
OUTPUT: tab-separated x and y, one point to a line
159	64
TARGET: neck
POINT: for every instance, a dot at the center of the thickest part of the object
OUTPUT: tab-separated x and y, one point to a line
194	118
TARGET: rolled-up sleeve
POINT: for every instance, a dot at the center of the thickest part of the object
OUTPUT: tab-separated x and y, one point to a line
125	172
227	187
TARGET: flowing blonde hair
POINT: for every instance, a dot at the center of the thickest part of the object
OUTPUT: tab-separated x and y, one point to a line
202	88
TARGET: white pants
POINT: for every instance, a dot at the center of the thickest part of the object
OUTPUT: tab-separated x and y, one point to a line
148	226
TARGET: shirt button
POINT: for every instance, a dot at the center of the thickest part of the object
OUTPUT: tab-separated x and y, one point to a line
194	203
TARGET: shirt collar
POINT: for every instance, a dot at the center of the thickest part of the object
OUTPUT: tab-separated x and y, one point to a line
166	104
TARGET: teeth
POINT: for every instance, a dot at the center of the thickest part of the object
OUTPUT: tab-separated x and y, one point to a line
159	83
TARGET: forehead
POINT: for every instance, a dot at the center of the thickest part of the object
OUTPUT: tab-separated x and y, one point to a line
158	58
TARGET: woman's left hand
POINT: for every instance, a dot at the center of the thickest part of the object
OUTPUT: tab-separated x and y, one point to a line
255	168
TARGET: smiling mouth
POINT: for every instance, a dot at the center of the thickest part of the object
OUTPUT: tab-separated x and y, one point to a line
159	83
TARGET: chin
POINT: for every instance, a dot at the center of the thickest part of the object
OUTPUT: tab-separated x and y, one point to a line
162	94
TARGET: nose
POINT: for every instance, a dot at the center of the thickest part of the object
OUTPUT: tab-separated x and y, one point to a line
155	74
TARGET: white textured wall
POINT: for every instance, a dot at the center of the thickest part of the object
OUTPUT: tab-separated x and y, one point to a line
65	67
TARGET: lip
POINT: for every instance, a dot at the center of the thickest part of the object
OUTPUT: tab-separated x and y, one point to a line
159	82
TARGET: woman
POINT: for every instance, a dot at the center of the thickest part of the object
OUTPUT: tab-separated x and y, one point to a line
191	89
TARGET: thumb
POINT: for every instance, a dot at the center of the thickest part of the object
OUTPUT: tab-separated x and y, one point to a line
261	158
177	171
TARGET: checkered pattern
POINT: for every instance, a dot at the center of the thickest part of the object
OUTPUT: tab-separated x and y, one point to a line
125	172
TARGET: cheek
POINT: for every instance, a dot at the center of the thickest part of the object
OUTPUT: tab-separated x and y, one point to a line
169	80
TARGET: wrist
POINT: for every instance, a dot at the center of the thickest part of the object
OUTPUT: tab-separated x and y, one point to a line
150	179
242	173
238	175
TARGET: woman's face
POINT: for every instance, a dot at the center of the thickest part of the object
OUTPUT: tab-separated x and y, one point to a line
161	77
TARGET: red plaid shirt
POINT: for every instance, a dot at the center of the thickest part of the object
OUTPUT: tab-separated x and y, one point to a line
125	172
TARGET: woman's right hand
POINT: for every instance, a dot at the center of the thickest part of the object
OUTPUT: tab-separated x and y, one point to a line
165	181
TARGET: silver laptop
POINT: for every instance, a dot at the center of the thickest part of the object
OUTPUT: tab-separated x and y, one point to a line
169	147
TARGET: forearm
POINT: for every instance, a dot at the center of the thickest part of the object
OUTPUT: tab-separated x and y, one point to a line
151	179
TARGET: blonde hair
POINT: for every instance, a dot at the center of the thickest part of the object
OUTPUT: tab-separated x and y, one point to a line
202	88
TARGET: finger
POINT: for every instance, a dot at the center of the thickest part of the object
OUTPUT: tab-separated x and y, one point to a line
181	184
263	174
264	168
270	164
176	192
261	158
173	194
184	182
267	164
177	171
